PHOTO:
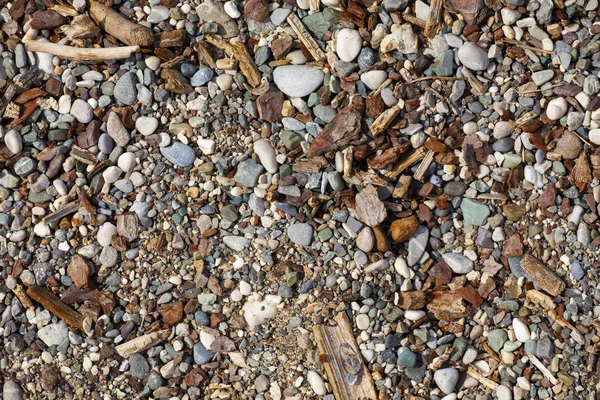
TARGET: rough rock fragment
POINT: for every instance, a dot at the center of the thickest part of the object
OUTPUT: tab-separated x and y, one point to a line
543	277
344	129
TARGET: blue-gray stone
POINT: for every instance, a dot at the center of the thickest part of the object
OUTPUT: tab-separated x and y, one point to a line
247	173
125	91
201	354
138	366
514	263
179	154
406	358
201	77
576	270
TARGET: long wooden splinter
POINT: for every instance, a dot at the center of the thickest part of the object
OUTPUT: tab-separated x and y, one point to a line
120	27
81	54
60	309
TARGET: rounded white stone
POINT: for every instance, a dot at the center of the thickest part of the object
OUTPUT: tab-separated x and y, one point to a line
362	322
521	330
266	155
64	104
231	9
146	125
13	141
316	383
348	44
112	174
503	393
206	146
224	81
153	63
594	136
373	79
105	234
556	108
414	315
126	161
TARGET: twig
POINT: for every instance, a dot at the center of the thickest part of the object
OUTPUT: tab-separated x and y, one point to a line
534	360
422	168
477	87
541	90
120	27
79	54
439	78
432	25
412	159
141	343
525	46
385	119
490	384
60	309
240	53
305	37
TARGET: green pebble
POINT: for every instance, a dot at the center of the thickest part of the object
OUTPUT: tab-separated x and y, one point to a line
230	212
325	234
291	140
558	168
407	359
474	212
530	346
496	339
511	160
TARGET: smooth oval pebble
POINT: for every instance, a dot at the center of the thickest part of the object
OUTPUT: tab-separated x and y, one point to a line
316	383
179	154
297	80
521	330
414	315
473	57
146	125
348	44
556	108
594	136
105	233
446	379
458	263
13	141
126	161
266	155
111	174
373	79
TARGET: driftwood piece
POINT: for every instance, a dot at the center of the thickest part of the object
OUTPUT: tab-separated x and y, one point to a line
68	209
432	27
535	361
343	361
142	343
120	27
477	87
240	53
82	27
474	373
541	299
409	161
343	129
22	296
385	119
305	37
203	51
60	309
541	275
427	160
80	54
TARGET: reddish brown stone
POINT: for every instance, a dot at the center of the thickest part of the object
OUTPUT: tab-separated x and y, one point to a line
256	10
548	198
171	313
513	246
216	319
412	300
448	306
404	228
79	271
281	46
47	19
441	272
17	10
53	87
90	136
269	105
469	294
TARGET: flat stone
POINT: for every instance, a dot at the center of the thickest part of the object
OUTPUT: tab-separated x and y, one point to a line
236	243
417	245
82	111
458	263
569	146
247	173
297	80
116	130
201	77
446	379
146	125
201	354
473	57
474	212
54	334
503	129
179	154
496	339
266	154
369	208
125	90
300	234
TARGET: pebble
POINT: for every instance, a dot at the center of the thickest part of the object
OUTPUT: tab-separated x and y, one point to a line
297	80
446	379
473	57
146	125
362	322
458	263
373	79
348	44
556	108
202	77
201	354
300	234
82	111
11	390
521	330
417	245
179	154
125	89
316	383
54	334
12	140
266	154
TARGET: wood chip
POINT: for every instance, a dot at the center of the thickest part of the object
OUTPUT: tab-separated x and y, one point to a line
343	129
385	119
305	37
240	53
142	343
433	25
341	354
543	277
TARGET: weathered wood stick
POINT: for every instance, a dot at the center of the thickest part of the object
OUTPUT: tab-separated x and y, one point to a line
409	161
80	54
432	26
120	27
339	347
385	119
305	37
141	343
240	53
60	309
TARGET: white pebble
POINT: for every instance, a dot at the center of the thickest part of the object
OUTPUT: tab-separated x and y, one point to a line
316	383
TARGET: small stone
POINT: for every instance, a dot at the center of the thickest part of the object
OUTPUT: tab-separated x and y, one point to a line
362	322
369	208
266	154
125	90
365	240
247	173
417	245
236	243
179	154
82	111
54	334
316	383
521	330
297	80
474	212
541	77
496	339
201	77
13	141
446	379
105	234
373	79
406	358
473	57
116	130
348	44
146	125
403	229
556	108
503	129
138	366
569	146
201	354
11	391
256	10
458	263
300	234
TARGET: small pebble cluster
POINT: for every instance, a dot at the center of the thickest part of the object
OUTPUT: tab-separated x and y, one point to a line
175	223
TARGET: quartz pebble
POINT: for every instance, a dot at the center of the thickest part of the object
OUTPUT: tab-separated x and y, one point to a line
348	43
